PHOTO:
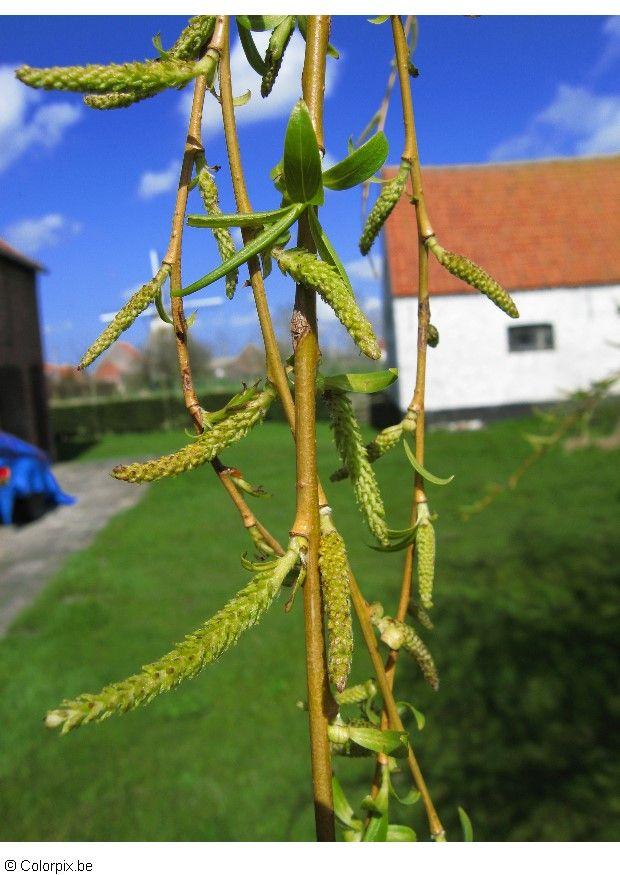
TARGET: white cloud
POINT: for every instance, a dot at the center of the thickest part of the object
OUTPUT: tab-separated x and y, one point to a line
154	182
286	90
576	122
30	235
24	123
372	304
368	268
611	50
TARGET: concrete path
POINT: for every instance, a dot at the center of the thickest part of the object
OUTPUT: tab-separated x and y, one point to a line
31	554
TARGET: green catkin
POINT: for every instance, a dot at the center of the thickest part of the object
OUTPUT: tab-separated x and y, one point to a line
334	572
354	457
378	447
196	651
475	276
193	38
223	237
206	446
385	203
188	46
357	694
138	76
308	270
396	635
418	613
432	337
126	316
119	99
274	56
425	558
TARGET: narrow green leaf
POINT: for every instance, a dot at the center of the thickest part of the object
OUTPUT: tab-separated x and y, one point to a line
359	166
400	833
366	384
260	242
342	808
378	19
325	248
302	160
249	47
420	719
379	740
468	830
377	829
159	304
260	22
394	548
410	798
438	481
236	220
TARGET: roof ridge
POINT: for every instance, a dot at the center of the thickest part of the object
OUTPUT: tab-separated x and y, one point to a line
534	162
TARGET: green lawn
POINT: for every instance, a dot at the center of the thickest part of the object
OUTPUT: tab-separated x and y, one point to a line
526	629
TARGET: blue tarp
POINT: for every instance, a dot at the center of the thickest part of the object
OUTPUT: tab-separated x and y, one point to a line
30	474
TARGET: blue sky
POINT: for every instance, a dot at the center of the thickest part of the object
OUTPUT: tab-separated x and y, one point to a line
89	193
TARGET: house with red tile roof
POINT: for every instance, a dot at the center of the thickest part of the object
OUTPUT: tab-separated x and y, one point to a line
549	232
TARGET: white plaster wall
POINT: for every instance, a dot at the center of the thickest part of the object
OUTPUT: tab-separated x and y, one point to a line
472	366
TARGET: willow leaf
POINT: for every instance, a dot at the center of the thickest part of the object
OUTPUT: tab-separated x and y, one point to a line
359	165
237	220
438	481
468	830
260	242
260	22
302	160
249	47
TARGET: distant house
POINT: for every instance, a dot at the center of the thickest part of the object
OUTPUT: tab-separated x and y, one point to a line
23	404
250	362
549	231
121	362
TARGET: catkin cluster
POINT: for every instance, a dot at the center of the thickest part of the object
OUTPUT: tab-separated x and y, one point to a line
126	316
192	40
334	571
308	270
274	55
385	203
190	656
425	557
378	447
357	694
396	635
137	76
206	446
223	237
354	457
475	276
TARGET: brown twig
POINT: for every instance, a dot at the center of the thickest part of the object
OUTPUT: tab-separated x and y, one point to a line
193	145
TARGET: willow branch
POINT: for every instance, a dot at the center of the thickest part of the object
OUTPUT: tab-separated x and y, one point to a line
193	145
306	347
275	368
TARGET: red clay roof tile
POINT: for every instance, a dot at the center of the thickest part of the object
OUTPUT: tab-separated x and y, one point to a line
531	225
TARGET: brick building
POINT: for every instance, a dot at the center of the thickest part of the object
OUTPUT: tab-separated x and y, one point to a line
23	404
549	232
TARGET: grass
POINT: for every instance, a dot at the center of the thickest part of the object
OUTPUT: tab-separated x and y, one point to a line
525	629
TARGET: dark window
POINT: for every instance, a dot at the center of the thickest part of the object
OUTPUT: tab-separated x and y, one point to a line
530	338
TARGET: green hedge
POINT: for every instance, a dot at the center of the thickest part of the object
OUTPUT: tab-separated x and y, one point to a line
76	424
